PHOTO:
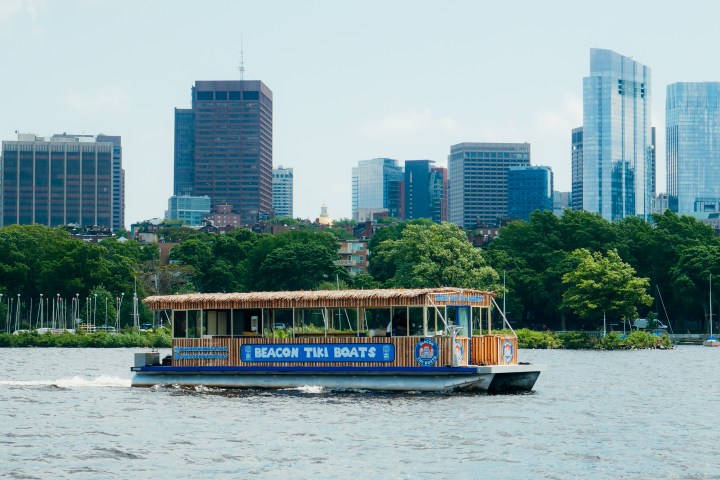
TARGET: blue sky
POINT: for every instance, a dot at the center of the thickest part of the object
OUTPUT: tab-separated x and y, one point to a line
351	80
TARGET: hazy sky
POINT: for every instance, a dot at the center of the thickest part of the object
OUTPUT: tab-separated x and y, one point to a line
351	80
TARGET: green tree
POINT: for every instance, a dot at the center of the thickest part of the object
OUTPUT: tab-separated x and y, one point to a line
298	266
604	285
256	267
384	270
435	255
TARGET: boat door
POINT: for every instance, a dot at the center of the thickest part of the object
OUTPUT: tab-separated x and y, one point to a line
460	316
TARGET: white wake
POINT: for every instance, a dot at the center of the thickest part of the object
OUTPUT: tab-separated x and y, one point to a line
72	382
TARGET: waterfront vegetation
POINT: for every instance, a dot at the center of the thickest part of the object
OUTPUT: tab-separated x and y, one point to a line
576	272
129	338
637	339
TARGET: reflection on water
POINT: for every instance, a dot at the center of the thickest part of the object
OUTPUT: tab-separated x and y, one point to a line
636	414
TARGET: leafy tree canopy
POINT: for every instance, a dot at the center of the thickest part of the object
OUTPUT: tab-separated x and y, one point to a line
604	284
435	255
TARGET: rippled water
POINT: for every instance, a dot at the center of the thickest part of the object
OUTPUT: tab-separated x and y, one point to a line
70	413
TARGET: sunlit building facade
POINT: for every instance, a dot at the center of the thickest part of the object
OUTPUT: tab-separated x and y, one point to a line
377	184
282	192
617	151
692	116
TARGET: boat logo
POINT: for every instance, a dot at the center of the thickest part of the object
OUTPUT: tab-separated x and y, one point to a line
426	352
386	351
459	351
507	351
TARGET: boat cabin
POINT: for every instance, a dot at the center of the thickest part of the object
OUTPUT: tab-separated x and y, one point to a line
411	327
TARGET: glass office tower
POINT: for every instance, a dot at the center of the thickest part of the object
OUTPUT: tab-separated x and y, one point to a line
377	185
692	116
617	138
529	189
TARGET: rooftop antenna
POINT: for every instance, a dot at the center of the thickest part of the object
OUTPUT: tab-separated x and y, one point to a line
242	61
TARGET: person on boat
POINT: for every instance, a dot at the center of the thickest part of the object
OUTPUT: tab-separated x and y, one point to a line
399	325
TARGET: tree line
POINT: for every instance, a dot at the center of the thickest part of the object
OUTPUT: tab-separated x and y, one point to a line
568	272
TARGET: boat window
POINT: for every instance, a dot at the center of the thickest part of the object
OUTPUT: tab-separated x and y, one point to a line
217	322
246	321
477	319
311	320
377	318
400	322
345	319
416	321
281	319
179	324
194	325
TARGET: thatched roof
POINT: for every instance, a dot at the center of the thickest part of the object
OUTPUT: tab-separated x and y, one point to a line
309	299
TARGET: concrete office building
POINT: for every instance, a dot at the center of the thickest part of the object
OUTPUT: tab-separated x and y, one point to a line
477	178
63	180
229	132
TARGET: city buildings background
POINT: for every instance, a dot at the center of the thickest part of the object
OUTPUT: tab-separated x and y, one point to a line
132	63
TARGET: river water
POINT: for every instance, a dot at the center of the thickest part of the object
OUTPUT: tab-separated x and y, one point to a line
70	413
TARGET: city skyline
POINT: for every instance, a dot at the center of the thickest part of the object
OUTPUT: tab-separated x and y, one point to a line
407	84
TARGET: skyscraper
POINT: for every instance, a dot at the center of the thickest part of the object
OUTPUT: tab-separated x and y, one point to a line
231	125
577	169
417	189
617	143
184	175
68	179
377	185
439	194
477	178
693	147
529	189
282	192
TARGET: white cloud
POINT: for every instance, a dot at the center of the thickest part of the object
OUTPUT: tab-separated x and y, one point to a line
13	8
560	121
410	122
110	98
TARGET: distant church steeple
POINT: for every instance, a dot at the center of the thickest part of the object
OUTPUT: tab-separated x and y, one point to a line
324	217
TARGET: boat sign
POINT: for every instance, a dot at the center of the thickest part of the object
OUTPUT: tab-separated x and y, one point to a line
318	352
